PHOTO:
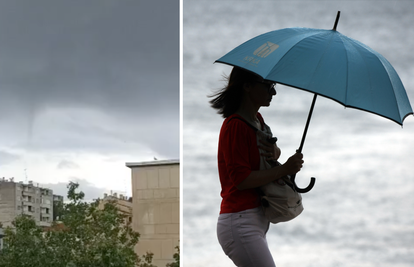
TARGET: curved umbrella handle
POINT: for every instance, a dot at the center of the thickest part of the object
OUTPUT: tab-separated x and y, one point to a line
292	177
303	190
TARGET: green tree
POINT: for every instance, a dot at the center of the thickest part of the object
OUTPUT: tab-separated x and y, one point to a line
176	256
146	260
24	245
58	210
87	237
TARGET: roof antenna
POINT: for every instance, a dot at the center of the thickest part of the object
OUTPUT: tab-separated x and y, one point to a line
336	21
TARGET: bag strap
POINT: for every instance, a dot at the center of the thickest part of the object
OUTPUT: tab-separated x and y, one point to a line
272	140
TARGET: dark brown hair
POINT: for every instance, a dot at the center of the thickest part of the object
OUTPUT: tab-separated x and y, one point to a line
227	100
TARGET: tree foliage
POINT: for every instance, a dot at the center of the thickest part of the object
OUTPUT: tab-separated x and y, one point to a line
86	237
176	256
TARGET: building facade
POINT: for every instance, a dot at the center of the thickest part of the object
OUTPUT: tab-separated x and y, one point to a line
123	203
156	208
57	207
20	198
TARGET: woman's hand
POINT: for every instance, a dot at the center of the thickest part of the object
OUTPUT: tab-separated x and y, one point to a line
262	177
272	151
294	163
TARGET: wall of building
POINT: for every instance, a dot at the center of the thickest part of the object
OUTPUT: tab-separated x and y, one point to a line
20	198
156	208
46	207
123	203
8	200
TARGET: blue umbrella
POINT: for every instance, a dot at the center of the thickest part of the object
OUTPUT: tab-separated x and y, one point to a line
326	63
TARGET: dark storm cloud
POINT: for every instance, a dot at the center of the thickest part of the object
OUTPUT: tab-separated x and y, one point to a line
67	164
107	53
118	57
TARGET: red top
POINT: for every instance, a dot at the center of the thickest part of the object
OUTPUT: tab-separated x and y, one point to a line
238	156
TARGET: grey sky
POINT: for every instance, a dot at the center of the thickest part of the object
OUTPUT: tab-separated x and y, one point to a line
97	76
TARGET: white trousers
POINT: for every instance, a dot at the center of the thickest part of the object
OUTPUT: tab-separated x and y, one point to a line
242	235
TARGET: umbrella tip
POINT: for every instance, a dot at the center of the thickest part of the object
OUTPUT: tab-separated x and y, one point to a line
336	21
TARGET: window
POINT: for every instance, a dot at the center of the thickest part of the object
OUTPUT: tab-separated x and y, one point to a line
30	208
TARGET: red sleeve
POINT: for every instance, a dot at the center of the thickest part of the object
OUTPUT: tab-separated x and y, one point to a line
236	142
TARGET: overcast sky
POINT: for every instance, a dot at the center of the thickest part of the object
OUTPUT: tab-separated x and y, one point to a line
86	86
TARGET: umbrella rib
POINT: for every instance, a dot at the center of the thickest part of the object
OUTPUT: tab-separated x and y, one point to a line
320	59
355	44
381	59
347	69
303	36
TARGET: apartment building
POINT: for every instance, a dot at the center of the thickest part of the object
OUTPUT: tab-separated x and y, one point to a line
156	208
57	207
123	203
20	198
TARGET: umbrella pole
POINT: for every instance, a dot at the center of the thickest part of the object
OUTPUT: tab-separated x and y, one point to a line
307	124
312	182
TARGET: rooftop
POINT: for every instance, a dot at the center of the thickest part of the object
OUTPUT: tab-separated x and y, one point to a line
152	163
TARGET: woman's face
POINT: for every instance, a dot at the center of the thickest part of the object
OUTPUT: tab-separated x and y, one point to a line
261	93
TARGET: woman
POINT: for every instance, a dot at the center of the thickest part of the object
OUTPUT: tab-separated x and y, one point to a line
242	226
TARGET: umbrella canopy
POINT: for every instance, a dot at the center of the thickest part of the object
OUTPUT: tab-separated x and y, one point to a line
326	63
